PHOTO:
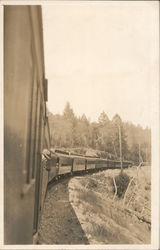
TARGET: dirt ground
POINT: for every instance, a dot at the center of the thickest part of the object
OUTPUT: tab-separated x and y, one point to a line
83	210
59	222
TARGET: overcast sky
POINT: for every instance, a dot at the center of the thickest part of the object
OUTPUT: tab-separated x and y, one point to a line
102	56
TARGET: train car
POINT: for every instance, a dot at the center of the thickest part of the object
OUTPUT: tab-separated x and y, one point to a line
101	163
116	164
65	164
53	166
110	163
91	163
25	96
79	164
127	164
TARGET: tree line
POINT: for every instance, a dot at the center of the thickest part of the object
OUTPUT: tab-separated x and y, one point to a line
100	138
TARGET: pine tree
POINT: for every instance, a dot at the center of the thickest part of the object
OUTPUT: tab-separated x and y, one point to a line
103	118
68	113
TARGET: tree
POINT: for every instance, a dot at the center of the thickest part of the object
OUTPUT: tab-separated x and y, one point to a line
104	138
138	138
117	120
103	118
70	119
68	112
119	137
82	132
69	131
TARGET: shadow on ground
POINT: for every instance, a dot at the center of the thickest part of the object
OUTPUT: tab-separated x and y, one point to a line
59	223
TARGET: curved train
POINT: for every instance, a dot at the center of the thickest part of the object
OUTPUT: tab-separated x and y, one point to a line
26	128
68	163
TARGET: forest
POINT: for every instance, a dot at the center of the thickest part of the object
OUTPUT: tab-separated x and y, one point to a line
100	138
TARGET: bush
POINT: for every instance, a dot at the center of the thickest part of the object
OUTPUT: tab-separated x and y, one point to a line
122	181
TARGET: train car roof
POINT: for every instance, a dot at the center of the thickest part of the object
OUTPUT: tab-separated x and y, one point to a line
78	156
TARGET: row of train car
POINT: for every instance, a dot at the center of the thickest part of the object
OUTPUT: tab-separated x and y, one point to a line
62	163
26	128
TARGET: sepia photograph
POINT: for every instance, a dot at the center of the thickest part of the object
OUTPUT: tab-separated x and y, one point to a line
80	119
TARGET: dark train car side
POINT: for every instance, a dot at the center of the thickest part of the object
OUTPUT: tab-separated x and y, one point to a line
25	121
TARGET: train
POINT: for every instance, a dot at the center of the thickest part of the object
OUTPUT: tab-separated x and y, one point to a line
69	163
30	164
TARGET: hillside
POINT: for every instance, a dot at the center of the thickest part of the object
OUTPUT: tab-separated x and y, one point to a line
106	220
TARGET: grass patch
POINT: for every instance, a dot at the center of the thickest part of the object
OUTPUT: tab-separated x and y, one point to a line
92	184
99	230
88	196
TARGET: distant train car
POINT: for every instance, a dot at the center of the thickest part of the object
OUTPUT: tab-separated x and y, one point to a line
91	163
65	164
79	164
101	163
53	166
116	164
25	122
127	164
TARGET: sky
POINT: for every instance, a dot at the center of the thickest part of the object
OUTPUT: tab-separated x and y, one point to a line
102	56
